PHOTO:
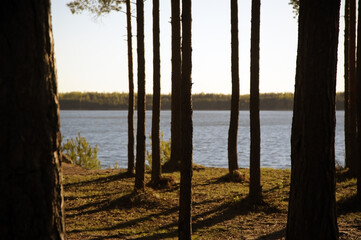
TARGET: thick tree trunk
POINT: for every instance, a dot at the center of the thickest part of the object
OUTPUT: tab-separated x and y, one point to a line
156	167
358	84
131	92
140	158
31	202
312	204
255	171
176	127
185	199
233	125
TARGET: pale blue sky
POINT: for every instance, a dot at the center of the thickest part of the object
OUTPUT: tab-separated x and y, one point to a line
91	54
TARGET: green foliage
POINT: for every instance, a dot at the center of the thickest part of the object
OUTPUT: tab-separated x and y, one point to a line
165	149
201	101
81	152
296	6
96	7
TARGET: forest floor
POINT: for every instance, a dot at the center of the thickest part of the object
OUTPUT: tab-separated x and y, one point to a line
100	204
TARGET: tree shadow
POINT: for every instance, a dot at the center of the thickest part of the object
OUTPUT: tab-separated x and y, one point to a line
274	235
343	174
100	180
348	205
146	199
228	211
172	234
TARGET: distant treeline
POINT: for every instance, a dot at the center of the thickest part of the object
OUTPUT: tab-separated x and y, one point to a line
202	101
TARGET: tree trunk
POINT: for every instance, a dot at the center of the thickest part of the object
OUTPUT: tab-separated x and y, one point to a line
312	204
185	199
156	167
352	88
31	202
140	158
255	172
233	125
358	84
131	92
176	131
346	74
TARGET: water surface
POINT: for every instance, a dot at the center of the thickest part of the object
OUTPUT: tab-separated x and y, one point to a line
108	129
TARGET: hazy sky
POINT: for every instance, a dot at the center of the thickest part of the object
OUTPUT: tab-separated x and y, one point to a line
91	54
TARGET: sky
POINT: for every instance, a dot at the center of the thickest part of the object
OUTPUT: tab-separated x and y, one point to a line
91	54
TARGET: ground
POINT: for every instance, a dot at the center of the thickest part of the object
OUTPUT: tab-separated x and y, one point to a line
100	204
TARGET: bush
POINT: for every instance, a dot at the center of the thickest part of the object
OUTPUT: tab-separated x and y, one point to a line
165	149
81	152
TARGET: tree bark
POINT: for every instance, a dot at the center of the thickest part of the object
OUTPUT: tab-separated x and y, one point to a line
346	74
156	167
185	199
131	91
358	84
233	125
31	202
140	158
176	127
255	171
312	204
352	162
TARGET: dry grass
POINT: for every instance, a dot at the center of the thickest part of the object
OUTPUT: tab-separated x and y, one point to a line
101	205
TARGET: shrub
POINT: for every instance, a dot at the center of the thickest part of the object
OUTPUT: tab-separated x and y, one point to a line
165	149
81	152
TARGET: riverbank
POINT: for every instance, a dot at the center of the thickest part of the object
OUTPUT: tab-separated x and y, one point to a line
100	205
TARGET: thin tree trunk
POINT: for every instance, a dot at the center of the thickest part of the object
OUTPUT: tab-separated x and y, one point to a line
347	80
31	202
312	204
156	167
140	158
185	199
233	125
358	83
176	127
255	172
352	88
131	92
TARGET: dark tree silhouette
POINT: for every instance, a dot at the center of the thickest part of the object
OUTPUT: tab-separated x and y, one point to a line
185	199
233	125
140	155
358	84
312	204
31	202
346	83
255	171
176	127
350	86
156	167
131	91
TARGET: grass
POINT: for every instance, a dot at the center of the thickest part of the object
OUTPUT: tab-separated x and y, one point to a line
101	205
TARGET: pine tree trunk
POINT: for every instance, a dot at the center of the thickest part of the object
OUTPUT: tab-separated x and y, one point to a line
347	90
176	127
156	167
312	204
31	202
255	172
140	158
358	84
233	125
185	199
352	89
131	92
